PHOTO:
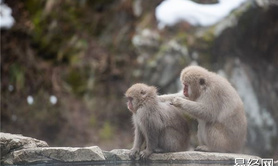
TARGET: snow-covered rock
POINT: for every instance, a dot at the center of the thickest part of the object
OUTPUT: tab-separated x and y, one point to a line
171	12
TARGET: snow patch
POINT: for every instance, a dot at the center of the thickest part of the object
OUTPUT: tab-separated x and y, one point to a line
171	12
258	117
270	126
247	94
11	88
53	99
6	18
30	100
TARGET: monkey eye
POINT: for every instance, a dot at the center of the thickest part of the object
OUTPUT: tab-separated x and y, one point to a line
202	81
143	92
185	85
129	98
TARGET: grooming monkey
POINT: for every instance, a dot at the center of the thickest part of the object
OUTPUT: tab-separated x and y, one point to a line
216	105
160	125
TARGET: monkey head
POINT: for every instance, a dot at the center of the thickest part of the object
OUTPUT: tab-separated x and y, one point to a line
138	94
194	80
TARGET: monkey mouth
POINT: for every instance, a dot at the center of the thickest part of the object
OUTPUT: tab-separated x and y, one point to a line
185	90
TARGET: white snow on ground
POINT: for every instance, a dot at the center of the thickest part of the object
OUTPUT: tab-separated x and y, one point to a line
171	12
6	18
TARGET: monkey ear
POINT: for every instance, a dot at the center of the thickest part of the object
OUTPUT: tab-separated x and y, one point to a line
202	81
154	89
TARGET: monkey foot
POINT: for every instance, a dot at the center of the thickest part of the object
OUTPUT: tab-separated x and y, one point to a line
202	148
133	153
145	154
158	150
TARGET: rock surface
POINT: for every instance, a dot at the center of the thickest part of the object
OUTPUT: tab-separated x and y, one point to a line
12	142
94	155
55	155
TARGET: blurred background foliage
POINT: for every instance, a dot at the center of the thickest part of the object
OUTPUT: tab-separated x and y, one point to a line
78	51
85	54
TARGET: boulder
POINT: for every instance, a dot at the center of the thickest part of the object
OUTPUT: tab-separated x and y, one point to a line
12	142
55	155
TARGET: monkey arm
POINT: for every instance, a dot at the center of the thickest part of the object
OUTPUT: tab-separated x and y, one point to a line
169	97
196	109
138	140
152	140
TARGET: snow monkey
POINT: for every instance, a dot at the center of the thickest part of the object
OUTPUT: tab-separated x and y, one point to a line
160	125
216	105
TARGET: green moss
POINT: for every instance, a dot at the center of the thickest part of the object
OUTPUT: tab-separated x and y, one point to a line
93	121
77	80
17	76
53	31
238	12
146	21
107	131
208	36
33	6
182	37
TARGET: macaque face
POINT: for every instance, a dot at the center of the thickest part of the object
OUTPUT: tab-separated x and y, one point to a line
138	94
191	90
130	104
194	80
185	90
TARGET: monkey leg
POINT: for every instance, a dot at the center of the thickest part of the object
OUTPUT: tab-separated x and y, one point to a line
172	141
211	137
201	133
218	138
151	143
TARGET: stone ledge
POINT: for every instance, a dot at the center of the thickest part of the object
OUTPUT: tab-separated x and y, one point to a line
27	154
55	155
182	157
96	155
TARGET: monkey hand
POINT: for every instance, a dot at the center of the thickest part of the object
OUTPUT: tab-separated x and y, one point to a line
165	98
177	101
145	154
133	152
